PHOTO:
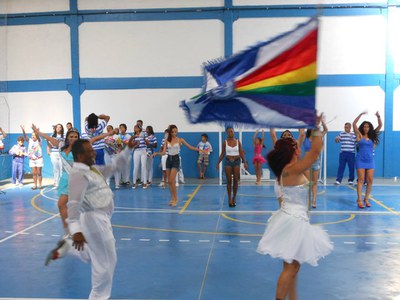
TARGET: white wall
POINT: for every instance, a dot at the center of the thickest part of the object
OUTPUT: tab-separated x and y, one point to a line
347	45
31	6
344	104
41	108
145	49
143	4
38	52
156	107
303	2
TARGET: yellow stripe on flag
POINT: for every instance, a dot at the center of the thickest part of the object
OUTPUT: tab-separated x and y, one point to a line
304	74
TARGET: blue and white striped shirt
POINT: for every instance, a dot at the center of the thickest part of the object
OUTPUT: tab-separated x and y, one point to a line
142	143
347	142
153	142
98	145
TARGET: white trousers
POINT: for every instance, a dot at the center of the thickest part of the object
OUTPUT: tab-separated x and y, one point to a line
149	168
109	160
97	230
140	165
57	166
126	170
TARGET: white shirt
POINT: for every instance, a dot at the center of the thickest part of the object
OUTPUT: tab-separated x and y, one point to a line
88	190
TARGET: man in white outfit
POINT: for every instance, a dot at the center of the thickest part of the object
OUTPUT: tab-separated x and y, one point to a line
90	207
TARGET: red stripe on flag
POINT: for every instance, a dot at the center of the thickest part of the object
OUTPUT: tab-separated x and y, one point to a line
301	54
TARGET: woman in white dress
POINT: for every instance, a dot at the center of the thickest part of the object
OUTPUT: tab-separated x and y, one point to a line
289	234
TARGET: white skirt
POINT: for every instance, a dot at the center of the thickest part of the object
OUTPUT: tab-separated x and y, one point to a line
292	238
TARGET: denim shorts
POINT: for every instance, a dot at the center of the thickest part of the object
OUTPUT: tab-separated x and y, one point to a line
232	162
173	162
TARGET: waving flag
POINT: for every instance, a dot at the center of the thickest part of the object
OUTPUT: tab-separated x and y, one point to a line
271	84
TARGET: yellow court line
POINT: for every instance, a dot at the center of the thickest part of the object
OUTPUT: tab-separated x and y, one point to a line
352	216
186	231
378	202
190	199
33	203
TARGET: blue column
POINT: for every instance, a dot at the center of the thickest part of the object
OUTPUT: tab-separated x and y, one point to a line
389	152
75	88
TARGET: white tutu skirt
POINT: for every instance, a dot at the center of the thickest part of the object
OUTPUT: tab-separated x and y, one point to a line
292	238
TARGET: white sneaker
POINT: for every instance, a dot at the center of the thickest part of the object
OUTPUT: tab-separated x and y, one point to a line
133	186
57	252
161	184
177	184
337	182
117	187
145	186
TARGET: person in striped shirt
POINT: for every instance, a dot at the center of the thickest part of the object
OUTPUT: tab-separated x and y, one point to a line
139	157
94	128
347	140
151	143
124	137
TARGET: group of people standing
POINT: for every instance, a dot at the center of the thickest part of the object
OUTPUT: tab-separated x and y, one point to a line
86	200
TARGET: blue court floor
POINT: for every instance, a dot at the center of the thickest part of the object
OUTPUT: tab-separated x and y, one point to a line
203	249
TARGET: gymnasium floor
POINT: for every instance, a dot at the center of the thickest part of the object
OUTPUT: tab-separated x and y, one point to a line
203	249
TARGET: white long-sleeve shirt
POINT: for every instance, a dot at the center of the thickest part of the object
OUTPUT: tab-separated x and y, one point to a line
88	190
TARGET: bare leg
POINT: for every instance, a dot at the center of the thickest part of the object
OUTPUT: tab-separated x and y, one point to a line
236	176
39	176
204	171
315	187
228	173
360	183
286	279
370	179
172	185
34	176
200	173
257	168
63	209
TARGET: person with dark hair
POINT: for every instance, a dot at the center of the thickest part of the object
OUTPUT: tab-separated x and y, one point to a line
112	148
347	140
258	159
232	152
151	144
287	134
139	158
54	152
289	235
173	145
125	137
18	153
94	128
202	161
90	208
66	159
68	126
367	139
313	173
35	158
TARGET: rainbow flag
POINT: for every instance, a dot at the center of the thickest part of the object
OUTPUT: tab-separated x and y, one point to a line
271	84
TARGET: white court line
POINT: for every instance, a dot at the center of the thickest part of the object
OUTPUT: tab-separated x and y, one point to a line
245	242
29	228
349	243
254	212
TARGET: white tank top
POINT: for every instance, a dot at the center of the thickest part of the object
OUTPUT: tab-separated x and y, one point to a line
232	151
173	149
